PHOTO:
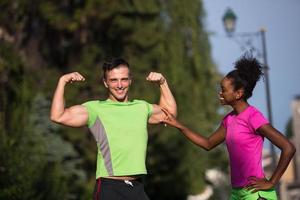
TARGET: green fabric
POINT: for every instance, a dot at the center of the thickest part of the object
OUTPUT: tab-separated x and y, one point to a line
123	142
243	194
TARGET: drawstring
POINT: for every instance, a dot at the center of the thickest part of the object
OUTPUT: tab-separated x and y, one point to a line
128	182
98	189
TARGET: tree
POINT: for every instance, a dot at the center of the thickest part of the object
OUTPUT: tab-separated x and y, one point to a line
192	74
54	37
15	153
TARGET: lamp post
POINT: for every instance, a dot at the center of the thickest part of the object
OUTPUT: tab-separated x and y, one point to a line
229	21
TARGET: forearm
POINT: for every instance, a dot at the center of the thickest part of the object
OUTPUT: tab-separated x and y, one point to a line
196	138
58	102
284	160
167	99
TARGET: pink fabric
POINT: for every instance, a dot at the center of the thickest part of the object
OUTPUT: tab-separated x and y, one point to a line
244	145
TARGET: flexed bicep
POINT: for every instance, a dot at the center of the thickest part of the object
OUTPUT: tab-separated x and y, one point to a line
157	115
75	116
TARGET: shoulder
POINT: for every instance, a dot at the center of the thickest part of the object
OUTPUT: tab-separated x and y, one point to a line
140	101
256	118
149	108
94	105
253	111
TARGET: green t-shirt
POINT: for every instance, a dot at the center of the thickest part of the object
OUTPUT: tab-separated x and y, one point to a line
120	130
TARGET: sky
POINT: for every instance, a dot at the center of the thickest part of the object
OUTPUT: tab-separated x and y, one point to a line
281	19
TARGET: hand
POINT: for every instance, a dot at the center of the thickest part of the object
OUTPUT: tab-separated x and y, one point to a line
255	184
156	77
170	119
72	77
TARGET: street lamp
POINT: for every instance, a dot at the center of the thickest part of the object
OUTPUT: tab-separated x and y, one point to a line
229	21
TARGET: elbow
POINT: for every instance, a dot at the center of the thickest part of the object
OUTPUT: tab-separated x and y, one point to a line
53	116
172	107
293	149
203	143
174	111
55	119
290	149
207	147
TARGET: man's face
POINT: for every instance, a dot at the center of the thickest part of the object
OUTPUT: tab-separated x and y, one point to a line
118	81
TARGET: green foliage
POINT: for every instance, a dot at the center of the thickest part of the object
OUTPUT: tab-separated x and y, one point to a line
63	161
19	157
44	39
35	162
186	62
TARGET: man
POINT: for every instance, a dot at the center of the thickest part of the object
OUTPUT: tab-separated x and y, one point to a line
119	127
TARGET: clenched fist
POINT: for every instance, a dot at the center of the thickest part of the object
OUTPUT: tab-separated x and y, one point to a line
72	77
156	77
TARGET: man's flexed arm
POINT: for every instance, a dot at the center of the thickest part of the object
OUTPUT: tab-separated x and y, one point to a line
167	99
74	116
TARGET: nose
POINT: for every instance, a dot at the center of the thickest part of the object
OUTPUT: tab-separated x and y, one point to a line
220	94
119	84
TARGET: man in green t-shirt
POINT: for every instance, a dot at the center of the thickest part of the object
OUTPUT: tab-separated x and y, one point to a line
119	127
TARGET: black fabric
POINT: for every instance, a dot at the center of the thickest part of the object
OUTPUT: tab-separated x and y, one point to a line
261	198
111	189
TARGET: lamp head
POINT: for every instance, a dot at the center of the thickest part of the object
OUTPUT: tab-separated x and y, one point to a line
229	19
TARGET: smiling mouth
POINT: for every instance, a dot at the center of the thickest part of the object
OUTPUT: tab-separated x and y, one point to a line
120	91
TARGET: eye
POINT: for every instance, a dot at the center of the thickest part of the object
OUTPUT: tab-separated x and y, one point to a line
113	80
221	88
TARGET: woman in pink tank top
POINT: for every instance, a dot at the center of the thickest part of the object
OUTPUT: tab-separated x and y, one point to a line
243	130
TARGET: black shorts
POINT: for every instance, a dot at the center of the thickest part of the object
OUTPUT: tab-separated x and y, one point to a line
111	189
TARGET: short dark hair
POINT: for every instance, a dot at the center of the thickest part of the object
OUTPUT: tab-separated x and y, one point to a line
112	63
246	74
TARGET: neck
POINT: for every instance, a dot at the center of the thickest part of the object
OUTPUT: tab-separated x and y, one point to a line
112	98
240	106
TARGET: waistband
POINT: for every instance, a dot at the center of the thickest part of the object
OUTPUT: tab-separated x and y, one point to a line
119	181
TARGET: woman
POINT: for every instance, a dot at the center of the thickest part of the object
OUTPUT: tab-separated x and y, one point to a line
243	130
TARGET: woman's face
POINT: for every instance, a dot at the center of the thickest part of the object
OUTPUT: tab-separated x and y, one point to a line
227	95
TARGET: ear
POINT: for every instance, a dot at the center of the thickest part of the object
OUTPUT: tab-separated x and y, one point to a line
130	81
105	83
239	94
